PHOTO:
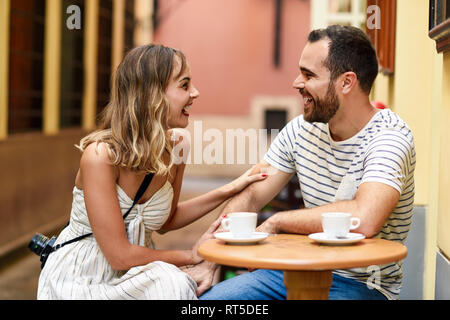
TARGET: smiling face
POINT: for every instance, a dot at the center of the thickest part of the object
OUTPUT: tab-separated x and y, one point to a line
319	95
181	93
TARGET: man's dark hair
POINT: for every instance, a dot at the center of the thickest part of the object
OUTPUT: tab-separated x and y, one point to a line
350	49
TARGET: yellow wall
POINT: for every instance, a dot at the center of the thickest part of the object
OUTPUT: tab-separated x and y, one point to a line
444	168
409	91
419	91
413	84
434	176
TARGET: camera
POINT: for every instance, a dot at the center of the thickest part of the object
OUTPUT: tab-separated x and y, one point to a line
42	246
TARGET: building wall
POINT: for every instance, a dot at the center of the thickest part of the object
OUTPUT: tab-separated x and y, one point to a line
418	92
396	90
39	166
230	48
444	168
36	186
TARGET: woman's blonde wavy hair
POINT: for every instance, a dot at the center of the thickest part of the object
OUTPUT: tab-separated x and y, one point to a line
134	124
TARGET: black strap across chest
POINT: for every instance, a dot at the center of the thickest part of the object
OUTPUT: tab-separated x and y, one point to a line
143	187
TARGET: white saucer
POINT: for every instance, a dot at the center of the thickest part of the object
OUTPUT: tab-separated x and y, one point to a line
351	237
228	237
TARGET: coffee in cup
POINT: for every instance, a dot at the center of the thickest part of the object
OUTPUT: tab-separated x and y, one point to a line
338	224
240	224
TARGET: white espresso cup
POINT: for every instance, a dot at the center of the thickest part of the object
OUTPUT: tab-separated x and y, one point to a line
240	224
338	224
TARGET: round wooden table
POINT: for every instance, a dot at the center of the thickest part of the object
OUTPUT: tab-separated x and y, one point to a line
307	265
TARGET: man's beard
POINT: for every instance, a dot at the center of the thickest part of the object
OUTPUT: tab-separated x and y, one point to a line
324	109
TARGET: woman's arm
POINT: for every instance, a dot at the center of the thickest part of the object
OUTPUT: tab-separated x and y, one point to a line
105	217
184	213
189	211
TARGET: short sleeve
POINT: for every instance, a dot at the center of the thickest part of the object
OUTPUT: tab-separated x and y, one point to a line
280	154
389	159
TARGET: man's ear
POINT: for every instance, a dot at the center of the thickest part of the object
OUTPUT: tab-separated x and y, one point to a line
348	81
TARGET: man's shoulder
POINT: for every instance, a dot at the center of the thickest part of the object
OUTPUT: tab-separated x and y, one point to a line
389	123
393	121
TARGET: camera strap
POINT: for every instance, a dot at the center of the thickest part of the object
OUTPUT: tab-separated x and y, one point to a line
143	187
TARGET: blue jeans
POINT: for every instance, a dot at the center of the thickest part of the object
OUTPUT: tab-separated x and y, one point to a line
264	284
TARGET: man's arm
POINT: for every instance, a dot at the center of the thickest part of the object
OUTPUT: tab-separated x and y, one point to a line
373	203
258	194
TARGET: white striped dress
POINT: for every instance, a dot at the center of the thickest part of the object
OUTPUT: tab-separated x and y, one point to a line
329	171
81	271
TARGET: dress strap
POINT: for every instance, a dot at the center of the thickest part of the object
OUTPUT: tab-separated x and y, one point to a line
143	187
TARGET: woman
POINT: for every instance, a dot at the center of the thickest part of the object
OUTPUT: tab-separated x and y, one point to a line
152	94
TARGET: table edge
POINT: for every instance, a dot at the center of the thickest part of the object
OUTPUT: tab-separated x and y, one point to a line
292	266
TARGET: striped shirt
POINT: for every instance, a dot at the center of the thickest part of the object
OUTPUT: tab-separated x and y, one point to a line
329	171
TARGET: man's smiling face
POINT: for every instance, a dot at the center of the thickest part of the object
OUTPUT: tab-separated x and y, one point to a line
319	95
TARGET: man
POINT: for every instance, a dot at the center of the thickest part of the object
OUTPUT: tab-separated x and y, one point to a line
349	157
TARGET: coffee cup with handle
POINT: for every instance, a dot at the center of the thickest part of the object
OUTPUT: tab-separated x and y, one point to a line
338	224
240	224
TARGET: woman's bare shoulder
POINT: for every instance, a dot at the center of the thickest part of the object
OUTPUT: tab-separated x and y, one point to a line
96	160
96	154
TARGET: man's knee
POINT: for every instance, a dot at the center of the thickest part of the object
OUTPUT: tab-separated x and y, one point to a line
226	290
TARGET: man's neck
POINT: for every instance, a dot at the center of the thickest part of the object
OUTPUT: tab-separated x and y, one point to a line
349	120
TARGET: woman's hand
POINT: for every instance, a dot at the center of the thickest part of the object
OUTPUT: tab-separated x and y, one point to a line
203	275
202	271
209	234
189	211
243	181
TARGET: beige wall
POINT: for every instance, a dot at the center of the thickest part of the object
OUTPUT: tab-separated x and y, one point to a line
413	84
419	91
230	52
230	46
444	167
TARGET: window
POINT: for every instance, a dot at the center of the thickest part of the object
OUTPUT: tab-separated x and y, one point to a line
104	54
439	24
71	69
26	65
